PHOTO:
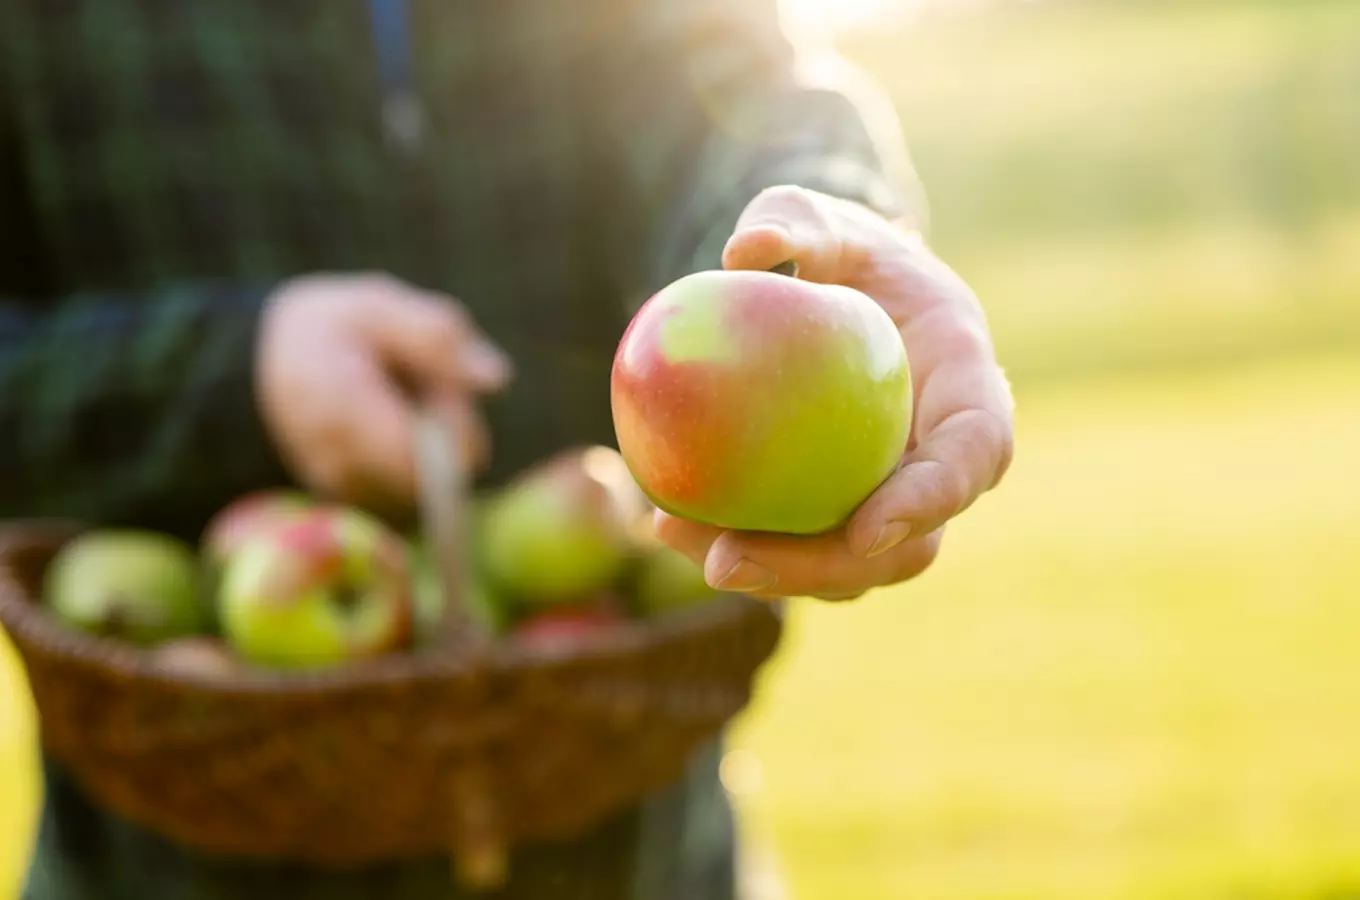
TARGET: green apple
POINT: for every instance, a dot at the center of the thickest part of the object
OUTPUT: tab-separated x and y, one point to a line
136	586
760	402
561	531
667	580
331	587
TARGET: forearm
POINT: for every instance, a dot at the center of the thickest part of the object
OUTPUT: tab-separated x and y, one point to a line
131	409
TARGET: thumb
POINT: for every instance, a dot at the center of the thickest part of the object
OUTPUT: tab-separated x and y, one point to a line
785	224
429	341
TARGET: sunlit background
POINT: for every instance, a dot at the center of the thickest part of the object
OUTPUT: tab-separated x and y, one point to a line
1134	673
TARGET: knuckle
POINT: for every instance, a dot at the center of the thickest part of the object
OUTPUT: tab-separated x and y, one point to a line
788	200
965	338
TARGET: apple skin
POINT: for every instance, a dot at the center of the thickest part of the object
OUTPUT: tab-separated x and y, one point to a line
136	586
566	626
247	516
561	531
667	580
760	402
331	587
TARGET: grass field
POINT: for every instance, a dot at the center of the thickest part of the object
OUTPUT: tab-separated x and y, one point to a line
1132	674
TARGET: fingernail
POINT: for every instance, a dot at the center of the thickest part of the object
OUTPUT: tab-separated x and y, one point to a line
745	577
889	536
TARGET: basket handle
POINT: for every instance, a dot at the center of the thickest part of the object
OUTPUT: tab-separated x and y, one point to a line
442	476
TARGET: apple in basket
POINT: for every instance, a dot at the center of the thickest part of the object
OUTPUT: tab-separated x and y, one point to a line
137	586
196	655
330	587
562	529
247	516
761	402
567	625
667	580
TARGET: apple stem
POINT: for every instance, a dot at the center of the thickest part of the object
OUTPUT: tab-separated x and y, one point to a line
788	267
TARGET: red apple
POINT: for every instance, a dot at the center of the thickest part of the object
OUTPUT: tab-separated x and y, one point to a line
569	625
330	587
761	402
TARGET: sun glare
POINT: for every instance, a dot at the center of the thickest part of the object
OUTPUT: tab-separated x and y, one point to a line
842	14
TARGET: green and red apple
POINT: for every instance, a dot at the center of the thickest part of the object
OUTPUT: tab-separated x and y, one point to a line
561	531
330	587
247	516
761	402
568	625
137	586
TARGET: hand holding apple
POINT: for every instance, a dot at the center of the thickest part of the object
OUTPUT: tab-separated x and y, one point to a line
758	402
962	434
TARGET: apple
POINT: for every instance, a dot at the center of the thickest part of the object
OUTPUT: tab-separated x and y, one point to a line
756	401
196	656
561	530
330	587
568	625
248	515
667	580
137	586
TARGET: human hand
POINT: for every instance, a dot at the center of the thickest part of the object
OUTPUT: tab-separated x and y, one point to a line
962	433
342	360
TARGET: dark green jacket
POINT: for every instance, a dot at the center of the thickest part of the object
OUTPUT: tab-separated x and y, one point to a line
165	163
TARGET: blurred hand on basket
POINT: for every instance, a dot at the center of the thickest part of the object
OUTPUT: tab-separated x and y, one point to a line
961	443
341	362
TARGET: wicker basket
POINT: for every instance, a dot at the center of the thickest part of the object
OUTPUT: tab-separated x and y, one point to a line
400	757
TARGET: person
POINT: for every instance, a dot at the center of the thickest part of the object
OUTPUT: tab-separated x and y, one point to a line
242	239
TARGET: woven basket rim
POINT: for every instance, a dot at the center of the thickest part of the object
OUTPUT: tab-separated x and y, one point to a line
29	622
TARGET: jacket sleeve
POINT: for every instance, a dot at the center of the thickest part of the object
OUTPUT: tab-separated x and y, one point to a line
123	408
712	104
